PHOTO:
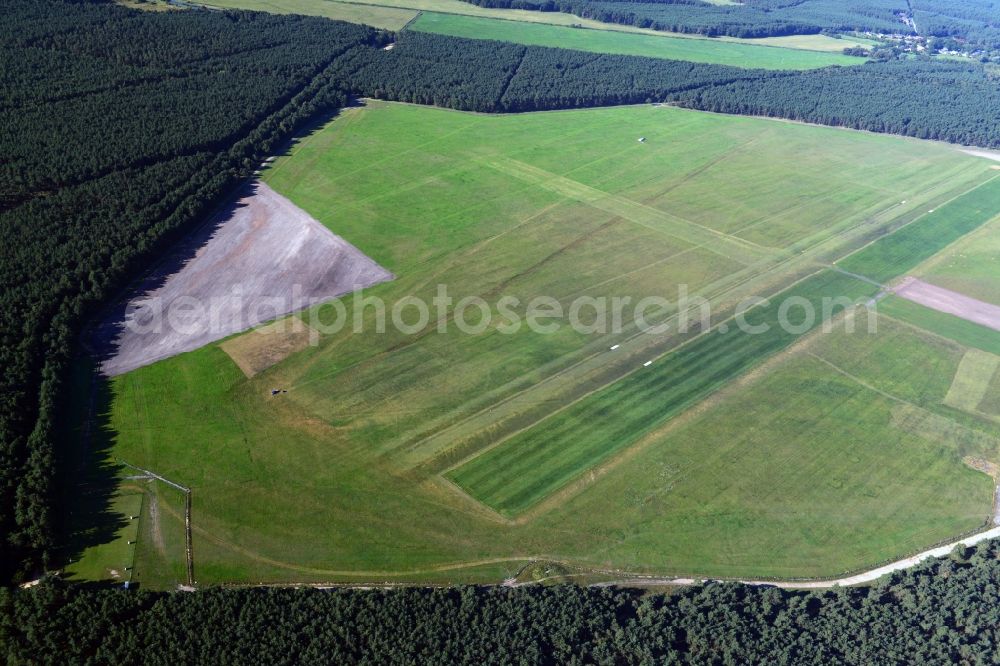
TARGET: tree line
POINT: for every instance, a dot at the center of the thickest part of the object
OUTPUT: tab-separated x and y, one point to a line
751	18
945	611
918	98
911	97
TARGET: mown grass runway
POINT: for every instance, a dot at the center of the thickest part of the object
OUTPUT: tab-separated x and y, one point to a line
884	260
524	469
340	479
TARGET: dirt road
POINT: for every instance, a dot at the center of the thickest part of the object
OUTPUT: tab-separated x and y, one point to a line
857	579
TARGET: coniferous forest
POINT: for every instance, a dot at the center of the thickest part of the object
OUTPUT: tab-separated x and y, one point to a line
901	96
121	129
947	611
976	22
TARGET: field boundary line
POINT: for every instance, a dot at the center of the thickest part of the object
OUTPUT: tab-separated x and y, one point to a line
188	546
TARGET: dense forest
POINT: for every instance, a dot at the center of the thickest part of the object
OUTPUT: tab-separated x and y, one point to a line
120	130
488	76
976	22
751	18
949	101
946	611
931	99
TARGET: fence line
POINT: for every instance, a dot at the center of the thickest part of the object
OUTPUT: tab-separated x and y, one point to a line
188	548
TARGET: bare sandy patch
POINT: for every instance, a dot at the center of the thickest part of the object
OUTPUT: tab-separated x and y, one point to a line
258	259
984	466
950	302
258	350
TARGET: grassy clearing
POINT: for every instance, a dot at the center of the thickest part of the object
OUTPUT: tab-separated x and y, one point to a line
527	468
606	41
780	474
338	479
416	190
113	560
960	330
924	238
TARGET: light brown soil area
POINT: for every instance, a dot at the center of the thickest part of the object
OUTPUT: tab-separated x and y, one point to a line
257	260
258	350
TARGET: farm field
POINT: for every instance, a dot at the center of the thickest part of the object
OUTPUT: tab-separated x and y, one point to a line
395	14
606	41
351	475
377	16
